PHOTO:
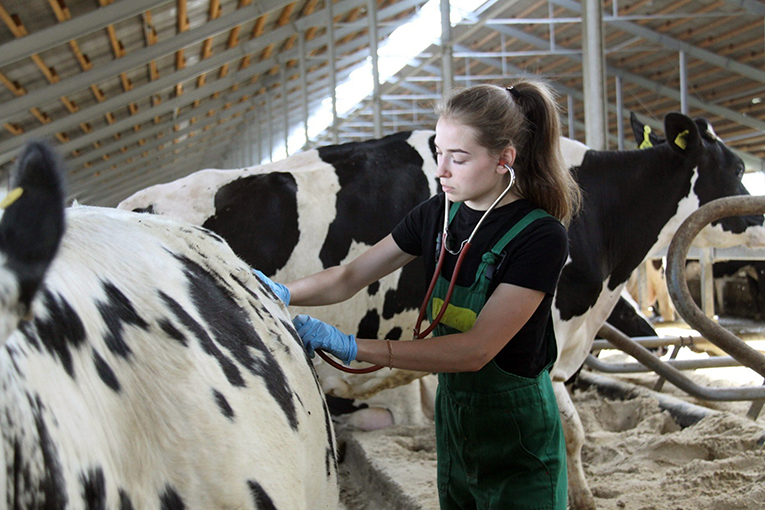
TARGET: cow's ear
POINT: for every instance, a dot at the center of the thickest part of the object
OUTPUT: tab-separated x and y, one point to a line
645	137
637	128
682	133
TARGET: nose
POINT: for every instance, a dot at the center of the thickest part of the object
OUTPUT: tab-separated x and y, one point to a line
441	170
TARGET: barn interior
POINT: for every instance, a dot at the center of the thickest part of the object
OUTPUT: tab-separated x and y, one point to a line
134	93
140	92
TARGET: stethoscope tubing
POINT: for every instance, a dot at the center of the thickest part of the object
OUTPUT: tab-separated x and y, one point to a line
417	335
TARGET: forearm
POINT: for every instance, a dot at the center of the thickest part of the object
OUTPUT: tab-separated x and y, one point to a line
339	283
324	288
451	353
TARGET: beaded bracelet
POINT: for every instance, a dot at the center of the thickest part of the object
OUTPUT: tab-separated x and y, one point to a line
390	356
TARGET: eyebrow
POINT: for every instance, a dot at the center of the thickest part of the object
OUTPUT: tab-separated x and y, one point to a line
460	151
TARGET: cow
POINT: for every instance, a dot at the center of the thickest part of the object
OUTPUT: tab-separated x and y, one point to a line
627	318
145	366
313	210
745	230
613	233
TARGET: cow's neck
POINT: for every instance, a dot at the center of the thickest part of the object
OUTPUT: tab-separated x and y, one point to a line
642	206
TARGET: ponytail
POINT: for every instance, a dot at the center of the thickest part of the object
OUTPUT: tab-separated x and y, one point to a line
524	116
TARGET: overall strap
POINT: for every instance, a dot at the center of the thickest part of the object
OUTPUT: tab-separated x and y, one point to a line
517	228
494	257
453	210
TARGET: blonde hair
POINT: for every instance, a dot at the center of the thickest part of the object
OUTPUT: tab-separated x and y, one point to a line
524	116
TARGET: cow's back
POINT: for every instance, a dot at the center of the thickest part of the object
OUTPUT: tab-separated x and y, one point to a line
313	210
157	371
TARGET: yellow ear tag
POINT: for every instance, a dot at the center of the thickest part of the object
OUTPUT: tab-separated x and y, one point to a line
11	197
680	140
646	143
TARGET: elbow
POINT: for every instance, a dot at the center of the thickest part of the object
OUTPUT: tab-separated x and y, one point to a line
476	360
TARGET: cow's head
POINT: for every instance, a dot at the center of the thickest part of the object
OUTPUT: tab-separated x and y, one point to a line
30	232
719	169
719	156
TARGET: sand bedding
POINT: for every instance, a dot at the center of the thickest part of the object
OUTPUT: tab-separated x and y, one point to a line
636	457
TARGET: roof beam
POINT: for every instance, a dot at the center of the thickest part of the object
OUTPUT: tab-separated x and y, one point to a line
675	45
163	83
197	94
127	180
178	166
315	83
155	143
136	59
752	6
134	181
64	32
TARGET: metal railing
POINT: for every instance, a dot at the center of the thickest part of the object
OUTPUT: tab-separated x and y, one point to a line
740	353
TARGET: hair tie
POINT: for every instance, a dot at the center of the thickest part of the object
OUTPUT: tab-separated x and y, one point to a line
514	92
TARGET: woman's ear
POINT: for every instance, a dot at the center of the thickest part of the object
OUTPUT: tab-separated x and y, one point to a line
506	158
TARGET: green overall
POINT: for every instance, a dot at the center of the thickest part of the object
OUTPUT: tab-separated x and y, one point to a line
499	437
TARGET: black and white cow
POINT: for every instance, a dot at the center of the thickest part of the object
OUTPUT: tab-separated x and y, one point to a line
613	234
745	230
148	368
317	209
615	231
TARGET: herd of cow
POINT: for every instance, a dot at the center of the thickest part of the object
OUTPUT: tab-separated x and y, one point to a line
144	366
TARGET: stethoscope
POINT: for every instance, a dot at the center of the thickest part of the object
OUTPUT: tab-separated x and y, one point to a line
461	251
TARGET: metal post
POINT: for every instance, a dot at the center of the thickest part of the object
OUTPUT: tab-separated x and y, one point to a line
303	83
376	106
248	144
269	114
594	76
707	282
673	355
260	142
619	113
571	116
552	25
683	83
331	68
285	106
447	51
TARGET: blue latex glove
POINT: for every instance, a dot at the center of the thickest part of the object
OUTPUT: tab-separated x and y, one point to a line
280	290
320	335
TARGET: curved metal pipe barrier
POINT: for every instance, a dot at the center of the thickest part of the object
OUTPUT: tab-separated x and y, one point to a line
680	364
678	286
673	375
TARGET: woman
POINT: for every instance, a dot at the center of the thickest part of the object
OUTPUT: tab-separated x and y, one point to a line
499	437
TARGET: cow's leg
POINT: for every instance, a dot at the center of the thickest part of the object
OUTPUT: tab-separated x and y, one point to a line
580	497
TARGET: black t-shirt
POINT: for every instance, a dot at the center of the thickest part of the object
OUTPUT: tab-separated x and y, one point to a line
534	259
